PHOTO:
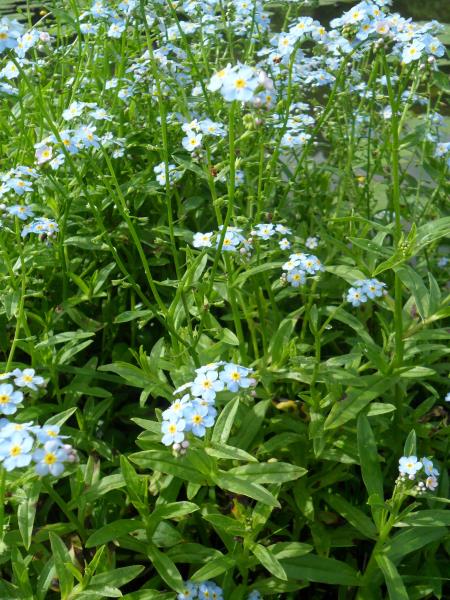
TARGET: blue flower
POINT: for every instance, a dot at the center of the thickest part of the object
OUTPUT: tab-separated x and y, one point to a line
409	465
264	230
412	51
40	226
429	468
189	592
206	385
9	399
198	419
21	212
296	277
27	378
177	409
239	84
236	377
50	459
254	595
48	433
173	432
356	296
15	451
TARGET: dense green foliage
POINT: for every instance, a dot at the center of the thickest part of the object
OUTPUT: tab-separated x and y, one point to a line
223	196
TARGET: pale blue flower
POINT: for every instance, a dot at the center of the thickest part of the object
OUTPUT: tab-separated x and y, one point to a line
206	385
198	419
429	468
50	459
9	399
15	451
409	465
236	377
27	378
173	432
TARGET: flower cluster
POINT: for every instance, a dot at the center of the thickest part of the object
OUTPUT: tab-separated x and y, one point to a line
195	130
43	227
364	289
102	14
160	171
208	590
24	443
195	411
410	466
234	239
240	82
299	267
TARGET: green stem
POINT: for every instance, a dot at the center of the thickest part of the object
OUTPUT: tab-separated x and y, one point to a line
65	509
395	180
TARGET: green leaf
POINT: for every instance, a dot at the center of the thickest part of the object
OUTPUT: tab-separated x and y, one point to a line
224	423
228	452
276	472
425	518
355	402
431	232
409	448
268	266
226	524
21	579
61	556
279	341
117	577
412	539
353	515
131	315
166	568
60	418
370	465
246	488
249	428
102	487
133	481
290	549
26	511
171	510
213	568
113	531
320	569
164	461
268	560
414	282
394	583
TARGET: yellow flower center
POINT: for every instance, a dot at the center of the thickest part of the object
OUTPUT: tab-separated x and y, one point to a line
240	83
50	458
4	399
15	451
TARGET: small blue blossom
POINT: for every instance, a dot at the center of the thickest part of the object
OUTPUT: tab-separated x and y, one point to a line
21	212
236	377
9	399
198	419
50	459
173	432
409	465
28	379
15	451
